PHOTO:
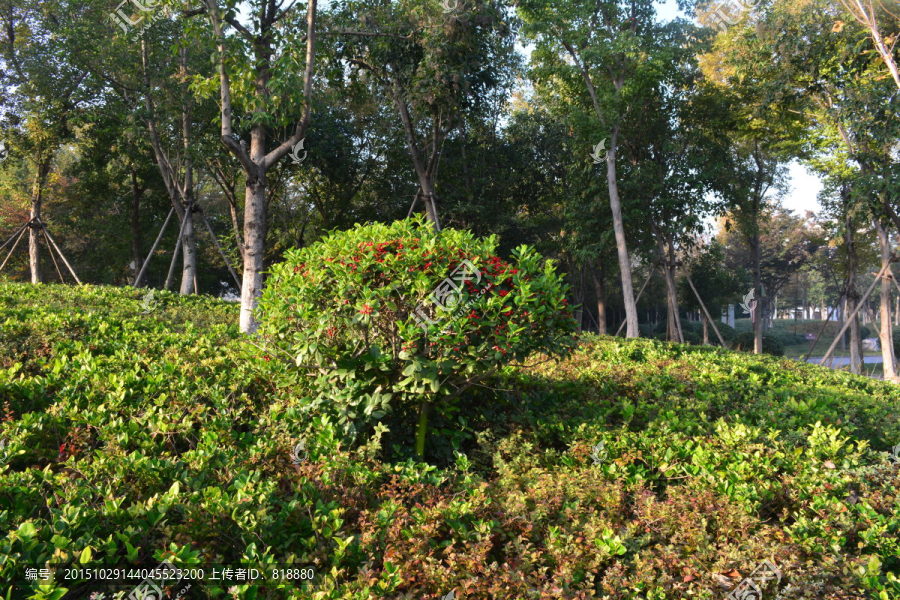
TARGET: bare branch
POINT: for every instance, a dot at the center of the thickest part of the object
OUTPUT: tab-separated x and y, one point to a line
248	35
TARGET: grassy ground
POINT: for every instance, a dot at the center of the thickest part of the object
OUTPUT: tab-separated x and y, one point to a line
790	330
136	429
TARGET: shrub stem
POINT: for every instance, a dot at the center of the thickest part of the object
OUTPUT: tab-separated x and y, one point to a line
422	429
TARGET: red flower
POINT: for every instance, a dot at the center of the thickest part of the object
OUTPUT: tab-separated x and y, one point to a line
266	357
366	309
504	292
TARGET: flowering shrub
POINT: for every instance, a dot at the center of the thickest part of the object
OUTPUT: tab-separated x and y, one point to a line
401	314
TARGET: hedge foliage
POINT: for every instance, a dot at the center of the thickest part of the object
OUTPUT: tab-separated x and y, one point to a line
139	431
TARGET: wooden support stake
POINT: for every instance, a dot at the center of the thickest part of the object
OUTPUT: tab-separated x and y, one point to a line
162	230
853	314
636	300
219	248
824	325
18	231
705	312
61	255
16	245
53	258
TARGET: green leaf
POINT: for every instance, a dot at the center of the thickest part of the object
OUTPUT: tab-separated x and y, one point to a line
26	530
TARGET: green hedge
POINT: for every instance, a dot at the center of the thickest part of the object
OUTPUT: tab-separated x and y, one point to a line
139	431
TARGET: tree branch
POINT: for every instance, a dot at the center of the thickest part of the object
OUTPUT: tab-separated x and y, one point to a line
300	131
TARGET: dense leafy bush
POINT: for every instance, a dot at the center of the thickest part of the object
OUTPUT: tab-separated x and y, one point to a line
785	337
771	345
630	470
359	311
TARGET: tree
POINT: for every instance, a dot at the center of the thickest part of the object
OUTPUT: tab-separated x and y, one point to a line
260	59
609	46
781	245
435	66
882	20
671	157
715	282
852	126
48	87
764	132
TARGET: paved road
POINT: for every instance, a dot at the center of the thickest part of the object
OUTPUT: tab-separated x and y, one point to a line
843	361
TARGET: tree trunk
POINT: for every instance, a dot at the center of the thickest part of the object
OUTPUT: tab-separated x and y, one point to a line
255	225
579	299
137	258
257	162
855	340
189	254
886	334
705	331
852	294
236	225
615	206
673	319
599	277
34	231
757	315
34	251
189	238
